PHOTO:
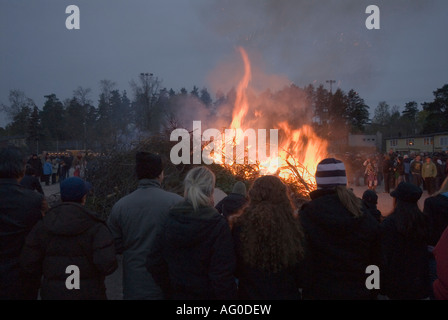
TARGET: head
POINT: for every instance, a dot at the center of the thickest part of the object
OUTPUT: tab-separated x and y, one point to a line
74	189
12	163
148	166
428	159
407	192
417	157
199	186
272	238
370	197
410	220
330	174
239	188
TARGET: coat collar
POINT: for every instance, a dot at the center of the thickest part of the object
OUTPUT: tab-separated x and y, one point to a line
148	183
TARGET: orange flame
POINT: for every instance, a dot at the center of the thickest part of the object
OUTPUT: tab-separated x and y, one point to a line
300	150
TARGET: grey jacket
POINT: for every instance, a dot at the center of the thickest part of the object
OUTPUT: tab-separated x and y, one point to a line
134	222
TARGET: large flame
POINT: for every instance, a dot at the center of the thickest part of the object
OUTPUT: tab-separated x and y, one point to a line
299	149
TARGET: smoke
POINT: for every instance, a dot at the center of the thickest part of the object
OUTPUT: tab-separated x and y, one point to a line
313	41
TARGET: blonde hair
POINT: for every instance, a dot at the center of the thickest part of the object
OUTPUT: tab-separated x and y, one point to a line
199	184
349	200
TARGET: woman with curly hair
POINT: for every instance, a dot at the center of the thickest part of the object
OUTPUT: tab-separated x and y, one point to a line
269	244
343	239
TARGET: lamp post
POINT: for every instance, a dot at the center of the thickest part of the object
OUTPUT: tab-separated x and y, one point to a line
331	85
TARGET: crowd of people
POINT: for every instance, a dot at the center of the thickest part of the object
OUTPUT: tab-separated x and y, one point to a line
254	244
51	168
425	170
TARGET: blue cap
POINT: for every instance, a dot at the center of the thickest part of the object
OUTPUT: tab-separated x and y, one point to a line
74	188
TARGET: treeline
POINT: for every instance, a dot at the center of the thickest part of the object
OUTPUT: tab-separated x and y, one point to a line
119	119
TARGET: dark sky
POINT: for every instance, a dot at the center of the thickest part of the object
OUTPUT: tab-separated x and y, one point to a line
192	42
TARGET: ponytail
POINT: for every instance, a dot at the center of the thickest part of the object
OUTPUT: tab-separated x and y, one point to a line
199	186
349	200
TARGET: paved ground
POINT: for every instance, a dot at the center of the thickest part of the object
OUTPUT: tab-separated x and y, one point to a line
114	281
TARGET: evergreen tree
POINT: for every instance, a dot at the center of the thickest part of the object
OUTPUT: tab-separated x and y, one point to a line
357	112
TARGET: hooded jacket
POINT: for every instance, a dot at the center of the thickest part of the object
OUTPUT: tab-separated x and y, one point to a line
193	256
340	247
70	235
230	204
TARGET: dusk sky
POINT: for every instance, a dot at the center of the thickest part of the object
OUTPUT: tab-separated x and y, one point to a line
188	43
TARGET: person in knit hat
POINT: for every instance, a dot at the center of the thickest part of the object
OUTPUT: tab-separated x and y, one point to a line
343	239
233	202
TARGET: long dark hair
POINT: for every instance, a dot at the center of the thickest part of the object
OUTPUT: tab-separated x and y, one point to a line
271	236
411	222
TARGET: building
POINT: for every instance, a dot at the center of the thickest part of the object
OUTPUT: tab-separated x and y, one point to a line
434	142
365	141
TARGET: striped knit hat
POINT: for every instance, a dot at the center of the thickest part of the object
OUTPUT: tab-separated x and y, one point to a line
330	173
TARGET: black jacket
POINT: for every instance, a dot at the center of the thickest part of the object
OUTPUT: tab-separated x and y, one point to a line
193	256
69	234
257	284
436	209
340	247
32	183
405	265
20	210
231	204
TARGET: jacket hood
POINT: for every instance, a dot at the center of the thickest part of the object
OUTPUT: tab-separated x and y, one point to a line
186	227
327	211
69	218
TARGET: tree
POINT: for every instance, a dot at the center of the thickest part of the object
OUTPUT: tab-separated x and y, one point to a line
437	112
382	114
34	130
53	119
206	98
195	92
409	118
18	103
357	112
145	97
321	104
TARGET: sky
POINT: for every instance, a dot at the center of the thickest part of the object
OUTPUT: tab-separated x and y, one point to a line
188	43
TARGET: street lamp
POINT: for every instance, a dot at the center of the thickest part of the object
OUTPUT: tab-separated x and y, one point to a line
331	85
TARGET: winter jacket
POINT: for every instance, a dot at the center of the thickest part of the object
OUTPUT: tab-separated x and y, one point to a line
70	235
230	204
193	257
340	248
134	222
257	284
48	168
20	210
416	167
429	170
440	285
32	183
436	209
405	264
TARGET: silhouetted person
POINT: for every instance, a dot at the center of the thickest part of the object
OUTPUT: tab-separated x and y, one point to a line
20	210
70	235
30	181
